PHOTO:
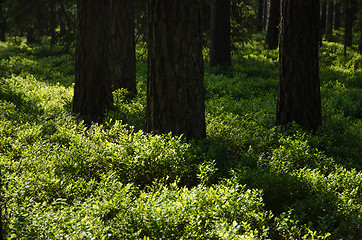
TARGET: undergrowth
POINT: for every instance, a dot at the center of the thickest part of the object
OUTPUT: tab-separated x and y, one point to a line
61	179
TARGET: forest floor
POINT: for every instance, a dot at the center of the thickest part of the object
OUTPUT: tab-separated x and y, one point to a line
250	179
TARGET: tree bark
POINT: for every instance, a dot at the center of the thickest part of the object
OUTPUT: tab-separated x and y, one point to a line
220	54
259	24
175	91
265	13
299	85
3	24
92	89
360	40
323	21
62	24
337	15
272	31
52	23
30	35
348	28
329	23
121	50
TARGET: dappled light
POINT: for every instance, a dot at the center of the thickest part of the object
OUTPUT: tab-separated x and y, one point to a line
65	178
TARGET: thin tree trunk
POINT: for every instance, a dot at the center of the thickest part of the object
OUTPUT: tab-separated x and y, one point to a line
360	39
299	97
329	24
3	24
337	15
259	24
175	91
52	25
349	18
220	52
323	20
272	31
62	25
265	13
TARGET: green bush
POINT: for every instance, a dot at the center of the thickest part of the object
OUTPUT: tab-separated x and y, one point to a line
62	179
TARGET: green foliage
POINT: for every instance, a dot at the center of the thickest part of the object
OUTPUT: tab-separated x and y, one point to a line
242	21
62	179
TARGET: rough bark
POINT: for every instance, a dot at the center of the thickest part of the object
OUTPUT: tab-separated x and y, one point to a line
329	23
272	31
105	55
121	48
175	91
299	85
92	89
220	54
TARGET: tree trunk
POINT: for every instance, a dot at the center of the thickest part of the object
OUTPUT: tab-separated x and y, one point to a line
92	89
349	18
52	24
259	24
299	85
30	35
62	17
360	40
272	31
337	15
3	26
220	54
121	50
175	91
329	24
323	20
265	12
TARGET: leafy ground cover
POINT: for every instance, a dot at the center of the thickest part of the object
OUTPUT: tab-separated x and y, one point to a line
61	179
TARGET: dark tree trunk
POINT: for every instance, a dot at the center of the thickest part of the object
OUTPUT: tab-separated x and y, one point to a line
52	24
360	40
175	91
349	18
259	24
2	32
92	89
220	54
30	35
329	23
299	85
337	16
272	31
323	20
3	24
265	13
62	24
121	49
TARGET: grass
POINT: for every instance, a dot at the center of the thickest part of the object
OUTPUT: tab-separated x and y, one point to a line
249	179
